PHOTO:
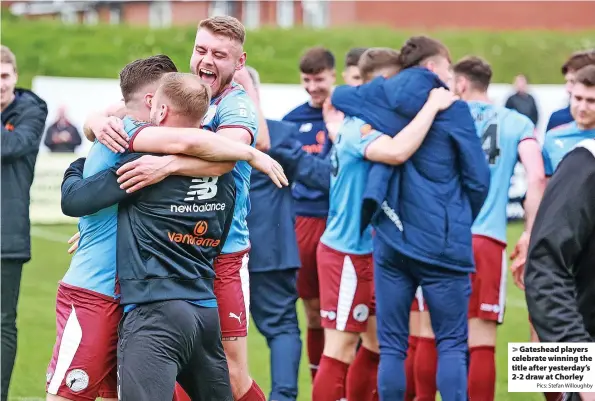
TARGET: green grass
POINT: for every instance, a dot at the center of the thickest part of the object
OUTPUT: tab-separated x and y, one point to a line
100	51
37	326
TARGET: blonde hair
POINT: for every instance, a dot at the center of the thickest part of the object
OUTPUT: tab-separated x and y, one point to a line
7	57
378	58
225	25
187	95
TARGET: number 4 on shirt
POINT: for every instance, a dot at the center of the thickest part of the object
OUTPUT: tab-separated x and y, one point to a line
489	142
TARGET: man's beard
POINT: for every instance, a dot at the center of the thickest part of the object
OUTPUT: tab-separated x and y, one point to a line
224	83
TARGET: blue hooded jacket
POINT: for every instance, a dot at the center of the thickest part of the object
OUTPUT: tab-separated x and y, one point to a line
425	207
272	218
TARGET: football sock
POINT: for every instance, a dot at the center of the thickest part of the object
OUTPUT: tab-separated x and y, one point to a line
362	376
553	396
180	394
409	368
315	347
329	384
482	374
425	368
253	394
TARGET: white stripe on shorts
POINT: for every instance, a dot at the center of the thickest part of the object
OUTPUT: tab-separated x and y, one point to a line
420	299
502	289
245	280
347	288
72	336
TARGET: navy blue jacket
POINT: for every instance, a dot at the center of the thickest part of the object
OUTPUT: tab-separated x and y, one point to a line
310	202
429	203
22	128
559	117
272	218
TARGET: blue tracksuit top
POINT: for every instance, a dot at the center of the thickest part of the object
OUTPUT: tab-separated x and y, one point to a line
424	208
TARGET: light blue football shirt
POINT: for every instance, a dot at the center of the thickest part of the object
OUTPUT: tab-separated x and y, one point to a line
348	183
501	130
93	266
559	141
234	109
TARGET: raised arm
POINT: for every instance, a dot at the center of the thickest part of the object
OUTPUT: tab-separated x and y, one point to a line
149	170
107	127
398	150
263	140
205	145
192	142
311	170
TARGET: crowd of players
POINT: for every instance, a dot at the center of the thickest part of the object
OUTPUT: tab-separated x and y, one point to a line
393	232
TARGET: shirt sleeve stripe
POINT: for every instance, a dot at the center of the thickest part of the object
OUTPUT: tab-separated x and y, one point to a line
133	137
238	126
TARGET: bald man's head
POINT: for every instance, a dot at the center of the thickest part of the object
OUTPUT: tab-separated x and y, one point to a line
181	100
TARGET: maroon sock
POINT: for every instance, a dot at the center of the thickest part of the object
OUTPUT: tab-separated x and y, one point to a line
482	373
315	347
362	376
329	384
180	394
426	365
553	396
409	369
253	394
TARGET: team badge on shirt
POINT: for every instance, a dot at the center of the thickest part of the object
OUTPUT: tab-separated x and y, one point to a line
365	130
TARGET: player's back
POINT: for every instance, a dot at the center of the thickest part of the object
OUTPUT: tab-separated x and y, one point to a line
501	130
169	236
234	109
348	182
559	141
93	265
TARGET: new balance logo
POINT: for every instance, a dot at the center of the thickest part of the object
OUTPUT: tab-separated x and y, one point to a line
234	316
202	188
194	208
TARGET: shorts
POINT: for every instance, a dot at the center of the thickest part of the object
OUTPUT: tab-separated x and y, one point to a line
168	340
308	231
83	364
346	289
419	303
232	290
488	283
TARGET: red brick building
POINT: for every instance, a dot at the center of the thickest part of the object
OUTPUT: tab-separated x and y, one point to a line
548	15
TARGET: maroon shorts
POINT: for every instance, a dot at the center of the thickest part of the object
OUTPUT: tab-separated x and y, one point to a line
232	290
346	289
83	365
488	283
419	303
308	231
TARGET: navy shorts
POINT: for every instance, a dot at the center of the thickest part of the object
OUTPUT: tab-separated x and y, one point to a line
168	340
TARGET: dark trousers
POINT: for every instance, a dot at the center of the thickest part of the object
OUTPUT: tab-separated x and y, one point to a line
168	341
11	284
273	296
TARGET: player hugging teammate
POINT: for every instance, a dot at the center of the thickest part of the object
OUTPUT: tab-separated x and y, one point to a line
178	245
